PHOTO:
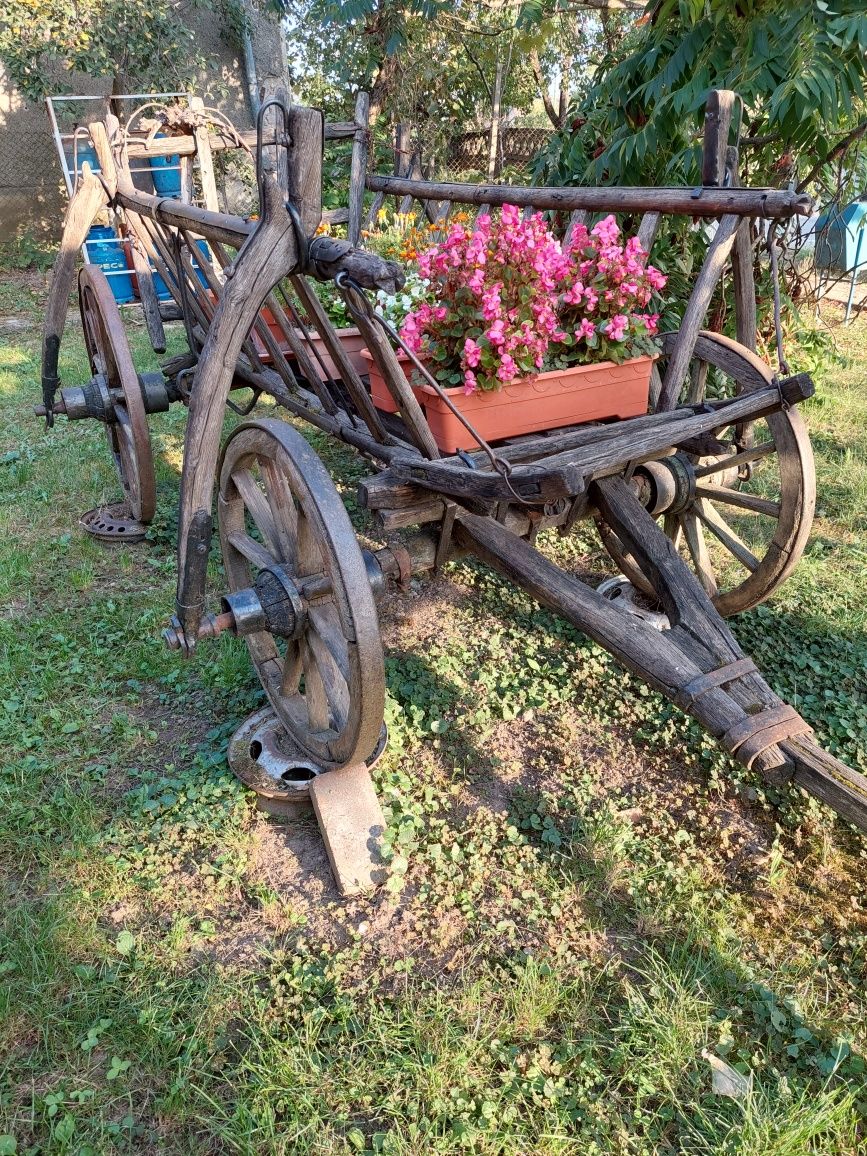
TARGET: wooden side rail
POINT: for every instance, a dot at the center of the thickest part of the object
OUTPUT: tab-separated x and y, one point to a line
697	202
185	146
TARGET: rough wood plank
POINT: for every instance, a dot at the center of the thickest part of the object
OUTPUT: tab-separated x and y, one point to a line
206	160
358	167
717	122
148	296
648	229
306	128
746	317
352	826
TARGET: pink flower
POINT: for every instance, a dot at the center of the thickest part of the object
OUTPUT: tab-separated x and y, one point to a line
472	353
585	329
617	326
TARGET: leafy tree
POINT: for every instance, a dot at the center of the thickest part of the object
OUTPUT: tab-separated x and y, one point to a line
41	41
800	66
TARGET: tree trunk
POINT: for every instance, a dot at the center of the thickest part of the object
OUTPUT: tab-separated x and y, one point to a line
496	101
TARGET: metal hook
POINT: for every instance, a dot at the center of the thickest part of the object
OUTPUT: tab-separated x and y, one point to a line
280	138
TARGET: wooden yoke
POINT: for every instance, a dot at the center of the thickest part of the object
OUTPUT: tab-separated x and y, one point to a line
268	255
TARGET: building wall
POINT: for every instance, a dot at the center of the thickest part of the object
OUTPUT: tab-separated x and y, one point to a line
32	193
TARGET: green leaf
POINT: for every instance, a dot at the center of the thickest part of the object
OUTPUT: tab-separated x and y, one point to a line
125	943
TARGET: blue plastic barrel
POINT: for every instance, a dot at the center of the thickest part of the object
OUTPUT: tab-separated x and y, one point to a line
78	153
160	285
166	174
202	246
105	250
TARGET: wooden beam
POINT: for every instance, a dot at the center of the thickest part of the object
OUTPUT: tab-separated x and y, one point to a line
699	202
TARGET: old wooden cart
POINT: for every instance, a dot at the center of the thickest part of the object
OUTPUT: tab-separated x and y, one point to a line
663	488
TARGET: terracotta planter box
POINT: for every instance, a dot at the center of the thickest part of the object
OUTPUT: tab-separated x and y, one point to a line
559	398
350	339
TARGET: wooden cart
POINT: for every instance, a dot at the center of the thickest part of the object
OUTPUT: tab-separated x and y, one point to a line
663	488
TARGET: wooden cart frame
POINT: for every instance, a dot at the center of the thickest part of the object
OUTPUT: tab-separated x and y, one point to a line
300	589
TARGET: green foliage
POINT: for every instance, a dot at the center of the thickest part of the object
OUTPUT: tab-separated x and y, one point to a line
799	67
27	252
42	41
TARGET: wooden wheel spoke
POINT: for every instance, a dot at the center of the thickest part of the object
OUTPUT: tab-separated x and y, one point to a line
260	511
697	382
323	620
335	685
315	693
739	459
724	533
291	674
739	498
283	512
672	528
697	547
309	554
252	550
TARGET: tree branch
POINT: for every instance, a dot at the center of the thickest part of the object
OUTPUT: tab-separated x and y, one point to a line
479	70
837	151
542	84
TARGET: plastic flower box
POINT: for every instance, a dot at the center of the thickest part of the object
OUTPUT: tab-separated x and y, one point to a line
561	397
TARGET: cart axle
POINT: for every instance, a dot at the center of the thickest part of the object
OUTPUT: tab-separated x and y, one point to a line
278	603
96	400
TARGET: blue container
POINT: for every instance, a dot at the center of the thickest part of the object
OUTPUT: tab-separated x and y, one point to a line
105	250
202	246
166	174
160	285
77	155
837	237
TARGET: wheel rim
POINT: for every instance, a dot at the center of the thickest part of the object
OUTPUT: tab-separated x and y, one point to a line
110	358
278	506
750	508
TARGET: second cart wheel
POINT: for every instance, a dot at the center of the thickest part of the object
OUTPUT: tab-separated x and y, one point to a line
280	512
111	361
742	516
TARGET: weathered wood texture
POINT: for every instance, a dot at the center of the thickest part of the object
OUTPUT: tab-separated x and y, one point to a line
86	202
717	123
358	167
703	202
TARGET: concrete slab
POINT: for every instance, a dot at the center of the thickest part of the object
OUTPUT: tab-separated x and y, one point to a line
352	825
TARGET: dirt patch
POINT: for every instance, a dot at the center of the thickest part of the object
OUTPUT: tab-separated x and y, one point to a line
169	734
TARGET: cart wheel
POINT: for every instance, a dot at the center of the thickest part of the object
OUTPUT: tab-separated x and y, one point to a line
741	517
278	505
110	359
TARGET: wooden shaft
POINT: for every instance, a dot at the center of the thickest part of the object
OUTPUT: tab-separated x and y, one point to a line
206	161
223	227
700	202
358	167
696	309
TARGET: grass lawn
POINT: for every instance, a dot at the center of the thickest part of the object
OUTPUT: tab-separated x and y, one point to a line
586	894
